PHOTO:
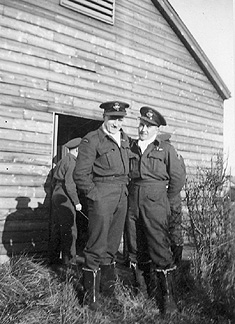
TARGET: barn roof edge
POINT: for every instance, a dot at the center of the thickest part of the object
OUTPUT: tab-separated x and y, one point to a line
192	46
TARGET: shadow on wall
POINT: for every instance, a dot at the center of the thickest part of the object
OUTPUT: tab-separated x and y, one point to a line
26	230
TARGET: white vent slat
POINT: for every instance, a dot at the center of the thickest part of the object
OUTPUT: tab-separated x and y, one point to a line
99	9
96	5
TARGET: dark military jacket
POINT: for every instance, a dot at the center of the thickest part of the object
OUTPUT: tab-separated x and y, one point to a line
100	157
159	162
63	177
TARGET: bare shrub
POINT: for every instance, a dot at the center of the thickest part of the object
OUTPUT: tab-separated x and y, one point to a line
210	231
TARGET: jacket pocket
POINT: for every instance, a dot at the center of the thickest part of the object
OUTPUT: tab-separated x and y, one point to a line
105	157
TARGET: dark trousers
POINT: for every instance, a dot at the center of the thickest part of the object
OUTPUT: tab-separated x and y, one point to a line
175	221
147	227
64	229
106	222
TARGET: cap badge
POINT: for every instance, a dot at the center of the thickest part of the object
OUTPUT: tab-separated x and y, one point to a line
116	106
149	114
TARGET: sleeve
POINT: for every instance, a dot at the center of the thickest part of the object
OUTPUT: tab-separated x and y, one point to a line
176	171
69	182
83	172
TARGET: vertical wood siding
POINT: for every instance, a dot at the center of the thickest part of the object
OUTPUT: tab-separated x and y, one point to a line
55	60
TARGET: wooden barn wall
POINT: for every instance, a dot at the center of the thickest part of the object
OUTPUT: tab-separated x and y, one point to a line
55	60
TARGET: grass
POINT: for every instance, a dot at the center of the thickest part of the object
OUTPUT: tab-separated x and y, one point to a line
33	293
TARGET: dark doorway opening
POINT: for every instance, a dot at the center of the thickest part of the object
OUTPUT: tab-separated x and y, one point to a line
68	127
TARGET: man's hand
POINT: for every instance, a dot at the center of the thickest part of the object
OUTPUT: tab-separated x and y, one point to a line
78	207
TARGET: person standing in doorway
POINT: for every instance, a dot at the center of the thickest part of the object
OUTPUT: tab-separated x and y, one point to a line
101	173
65	203
156	178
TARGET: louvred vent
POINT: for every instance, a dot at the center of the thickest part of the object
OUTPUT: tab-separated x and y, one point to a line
99	9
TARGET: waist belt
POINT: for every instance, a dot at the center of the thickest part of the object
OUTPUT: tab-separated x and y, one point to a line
149	182
122	179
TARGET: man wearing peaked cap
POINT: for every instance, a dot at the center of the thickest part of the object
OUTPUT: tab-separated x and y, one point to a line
157	177
73	143
65	202
152	116
101	173
114	108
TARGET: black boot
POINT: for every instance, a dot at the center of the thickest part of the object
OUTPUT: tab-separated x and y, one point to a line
141	274
91	283
162	289
108	279
177	251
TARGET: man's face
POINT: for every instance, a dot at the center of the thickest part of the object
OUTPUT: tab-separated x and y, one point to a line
113	123
147	130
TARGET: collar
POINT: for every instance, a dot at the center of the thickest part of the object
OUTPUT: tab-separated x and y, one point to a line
124	138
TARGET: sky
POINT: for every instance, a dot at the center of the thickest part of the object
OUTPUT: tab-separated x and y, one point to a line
211	24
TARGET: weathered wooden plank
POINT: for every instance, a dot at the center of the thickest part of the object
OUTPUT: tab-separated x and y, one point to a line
17	91
19	146
17	168
22	113
26	125
82	107
11	191
27	103
12	78
26	158
25	136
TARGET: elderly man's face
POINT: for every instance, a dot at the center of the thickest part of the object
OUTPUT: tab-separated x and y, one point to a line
147	130
113	123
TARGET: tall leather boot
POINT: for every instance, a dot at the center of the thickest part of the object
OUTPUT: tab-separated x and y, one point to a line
91	283
162	284
141	272
177	251
108	279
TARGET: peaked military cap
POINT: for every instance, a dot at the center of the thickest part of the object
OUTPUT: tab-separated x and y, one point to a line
73	143
114	108
152	116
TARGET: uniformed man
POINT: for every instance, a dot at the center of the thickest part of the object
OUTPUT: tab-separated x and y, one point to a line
101	173
65	202
175	219
156	177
